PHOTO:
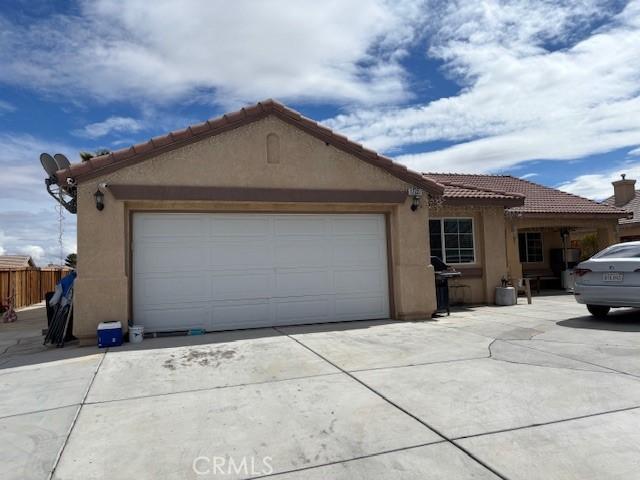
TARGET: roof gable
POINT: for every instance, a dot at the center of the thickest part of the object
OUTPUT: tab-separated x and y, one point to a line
538	199
121	158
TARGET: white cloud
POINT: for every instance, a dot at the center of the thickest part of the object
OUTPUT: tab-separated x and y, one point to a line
521	100
598	186
6	107
635	152
244	50
528	175
35	232
110	125
36	252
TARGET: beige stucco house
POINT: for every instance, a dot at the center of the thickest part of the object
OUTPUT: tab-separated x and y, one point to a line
263	217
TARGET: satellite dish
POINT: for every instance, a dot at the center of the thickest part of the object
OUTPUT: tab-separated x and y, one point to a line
62	161
49	164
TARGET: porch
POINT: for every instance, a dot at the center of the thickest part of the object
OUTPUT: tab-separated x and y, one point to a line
544	249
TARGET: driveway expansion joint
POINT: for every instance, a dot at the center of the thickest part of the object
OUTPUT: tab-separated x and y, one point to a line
437	362
542	424
403	410
206	389
75	417
52	409
360	457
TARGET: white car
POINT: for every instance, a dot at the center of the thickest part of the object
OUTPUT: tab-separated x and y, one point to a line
609	279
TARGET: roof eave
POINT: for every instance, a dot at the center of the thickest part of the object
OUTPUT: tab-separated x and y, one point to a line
105	164
612	215
495	202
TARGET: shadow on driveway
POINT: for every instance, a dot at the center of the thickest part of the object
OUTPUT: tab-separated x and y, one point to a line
622	320
21	342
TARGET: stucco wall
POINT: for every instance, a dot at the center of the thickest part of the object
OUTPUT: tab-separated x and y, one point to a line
239	158
479	279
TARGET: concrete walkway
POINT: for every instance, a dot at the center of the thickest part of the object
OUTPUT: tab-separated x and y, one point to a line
527	392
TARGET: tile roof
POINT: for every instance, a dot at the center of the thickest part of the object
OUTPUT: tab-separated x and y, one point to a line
461	193
538	199
15	262
632	206
120	158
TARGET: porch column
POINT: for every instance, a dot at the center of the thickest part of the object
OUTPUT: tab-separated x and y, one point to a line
495	252
514	266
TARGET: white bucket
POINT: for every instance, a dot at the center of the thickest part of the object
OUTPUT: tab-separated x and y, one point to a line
136	333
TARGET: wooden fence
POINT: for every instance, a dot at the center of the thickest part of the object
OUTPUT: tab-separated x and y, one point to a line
29	285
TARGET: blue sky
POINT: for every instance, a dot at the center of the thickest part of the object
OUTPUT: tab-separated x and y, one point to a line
538	89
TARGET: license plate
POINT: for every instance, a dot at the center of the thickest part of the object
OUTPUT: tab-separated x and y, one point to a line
612	277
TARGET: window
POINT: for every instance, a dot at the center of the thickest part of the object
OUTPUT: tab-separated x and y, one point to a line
451	239
530	246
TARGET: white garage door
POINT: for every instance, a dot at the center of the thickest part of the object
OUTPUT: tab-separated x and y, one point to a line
226	271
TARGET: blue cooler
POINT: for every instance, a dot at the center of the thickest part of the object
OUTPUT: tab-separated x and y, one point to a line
109	334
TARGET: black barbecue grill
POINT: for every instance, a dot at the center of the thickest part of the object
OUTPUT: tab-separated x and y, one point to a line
443	274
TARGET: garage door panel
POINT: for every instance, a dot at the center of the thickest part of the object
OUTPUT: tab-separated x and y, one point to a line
240	254
170	289
300	253
304	226
352	307
256	270
364	225
241	315
245	226
303	310
358	252
154	258
293	283
168	226
179	317
242	285
358	281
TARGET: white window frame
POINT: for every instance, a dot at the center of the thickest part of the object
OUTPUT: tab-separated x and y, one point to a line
526	246
444	250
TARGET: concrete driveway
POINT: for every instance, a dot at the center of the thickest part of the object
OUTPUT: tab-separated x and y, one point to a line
526	392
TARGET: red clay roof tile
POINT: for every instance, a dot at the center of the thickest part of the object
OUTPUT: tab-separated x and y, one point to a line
121	158
456	193
538	199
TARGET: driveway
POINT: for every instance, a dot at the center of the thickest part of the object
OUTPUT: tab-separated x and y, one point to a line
525	392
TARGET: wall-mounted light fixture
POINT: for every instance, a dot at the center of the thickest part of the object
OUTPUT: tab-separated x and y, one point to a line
99	196
416	194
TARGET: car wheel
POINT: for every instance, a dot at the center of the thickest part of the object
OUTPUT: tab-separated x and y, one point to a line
598	310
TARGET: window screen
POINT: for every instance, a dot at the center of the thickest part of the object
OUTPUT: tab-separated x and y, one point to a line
452	239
